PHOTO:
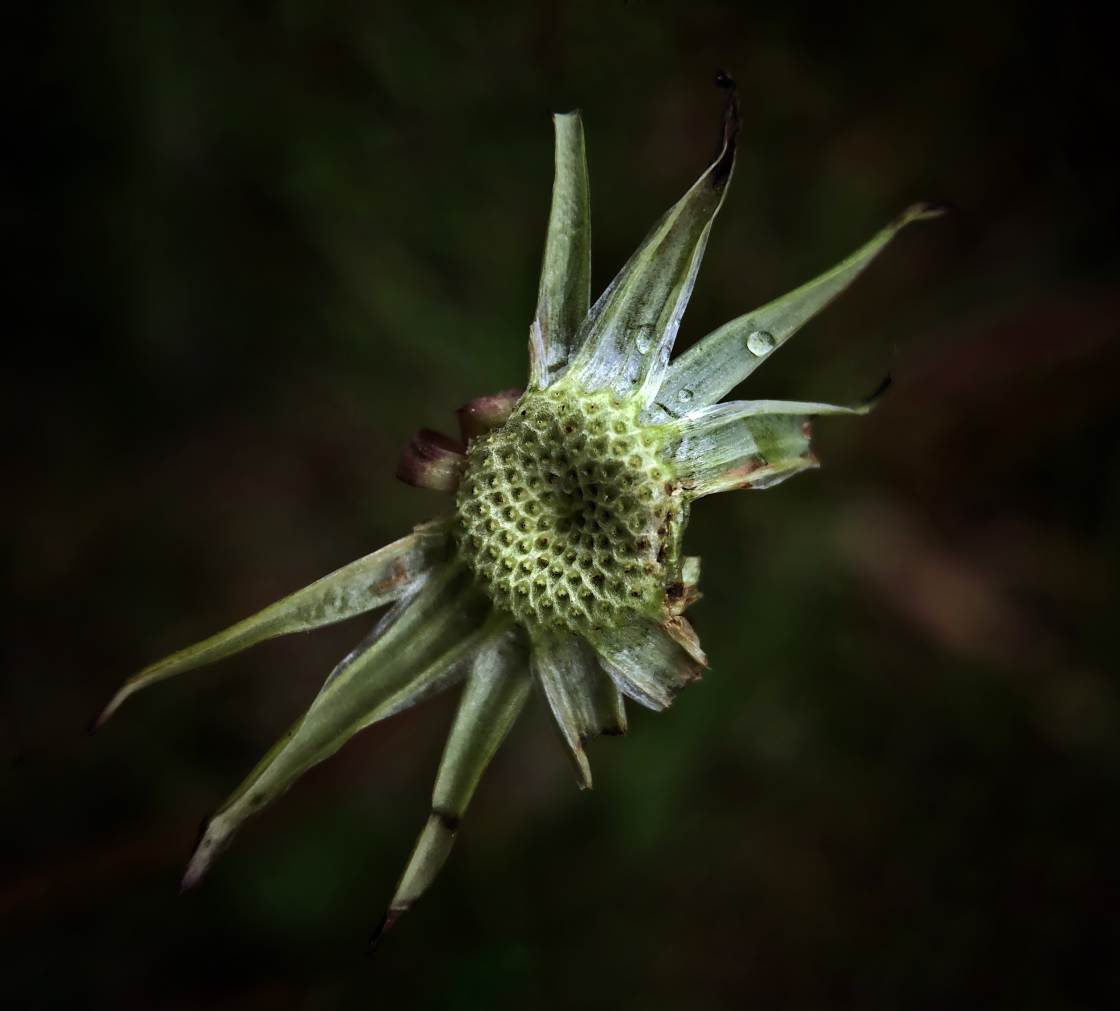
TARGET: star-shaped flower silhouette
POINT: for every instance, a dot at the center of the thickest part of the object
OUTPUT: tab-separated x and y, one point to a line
560	566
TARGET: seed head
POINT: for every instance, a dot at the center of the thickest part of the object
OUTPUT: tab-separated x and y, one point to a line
560	565
567	515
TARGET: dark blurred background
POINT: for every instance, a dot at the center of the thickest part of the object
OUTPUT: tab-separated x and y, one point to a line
257	245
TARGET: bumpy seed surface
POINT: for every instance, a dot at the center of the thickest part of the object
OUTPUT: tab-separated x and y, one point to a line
567	514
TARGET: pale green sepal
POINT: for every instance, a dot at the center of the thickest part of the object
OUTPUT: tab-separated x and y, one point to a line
684	593
690	571
370	582
725	357
493	697
565	286
421	648
629	334
749	444
583	699
763	433
650	663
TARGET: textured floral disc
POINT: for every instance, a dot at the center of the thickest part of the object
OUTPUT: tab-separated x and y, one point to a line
567	515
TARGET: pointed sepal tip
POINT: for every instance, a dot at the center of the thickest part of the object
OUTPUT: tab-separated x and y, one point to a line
211	841
923	210
392	914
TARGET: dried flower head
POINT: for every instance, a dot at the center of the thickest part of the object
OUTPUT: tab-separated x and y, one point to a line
560	564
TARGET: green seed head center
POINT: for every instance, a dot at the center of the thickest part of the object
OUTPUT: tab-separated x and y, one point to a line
567	515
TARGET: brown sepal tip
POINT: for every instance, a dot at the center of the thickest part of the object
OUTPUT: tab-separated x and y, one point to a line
879	392
392	914
483	414
729	130
432	460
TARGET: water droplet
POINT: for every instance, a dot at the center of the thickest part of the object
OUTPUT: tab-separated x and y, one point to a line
643	339
684	396
760	342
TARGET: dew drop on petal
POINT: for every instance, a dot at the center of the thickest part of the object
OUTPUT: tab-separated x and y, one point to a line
643	339
760	342
684	396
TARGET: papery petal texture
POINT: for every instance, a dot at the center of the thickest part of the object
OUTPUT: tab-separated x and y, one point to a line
362	586
717	363
494	695
584	701
565	285
421	648
629	334
647	662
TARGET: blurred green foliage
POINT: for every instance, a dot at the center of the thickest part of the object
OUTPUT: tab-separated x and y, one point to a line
262	243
